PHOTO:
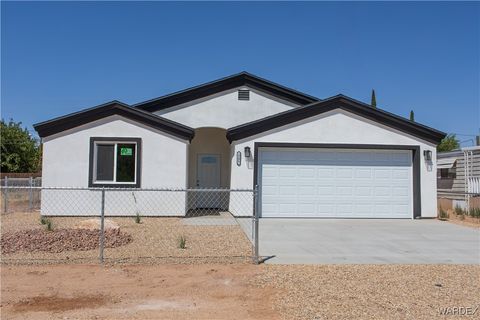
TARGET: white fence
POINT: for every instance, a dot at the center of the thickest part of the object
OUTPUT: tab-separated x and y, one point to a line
473	185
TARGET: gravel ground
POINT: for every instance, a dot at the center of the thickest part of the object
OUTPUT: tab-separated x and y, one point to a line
153	240
371	291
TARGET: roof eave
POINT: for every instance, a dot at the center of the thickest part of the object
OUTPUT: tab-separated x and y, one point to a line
337	102
60	124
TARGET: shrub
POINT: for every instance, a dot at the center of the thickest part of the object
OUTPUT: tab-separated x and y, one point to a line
475	213
43	220
182	242
49	225
138	219
443	215
459	210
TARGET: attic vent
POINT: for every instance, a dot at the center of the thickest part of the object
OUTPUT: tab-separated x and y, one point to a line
244	94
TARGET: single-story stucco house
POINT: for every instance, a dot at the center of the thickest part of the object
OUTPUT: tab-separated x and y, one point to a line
328	158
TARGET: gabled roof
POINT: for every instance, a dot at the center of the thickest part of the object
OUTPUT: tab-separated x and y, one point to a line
230	82
335	102
76	119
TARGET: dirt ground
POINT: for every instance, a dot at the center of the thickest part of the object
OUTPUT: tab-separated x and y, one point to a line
134	292
463	220
237	291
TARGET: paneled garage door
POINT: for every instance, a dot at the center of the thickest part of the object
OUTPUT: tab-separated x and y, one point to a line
335	183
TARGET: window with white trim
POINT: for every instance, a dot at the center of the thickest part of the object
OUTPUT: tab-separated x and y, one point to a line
114	162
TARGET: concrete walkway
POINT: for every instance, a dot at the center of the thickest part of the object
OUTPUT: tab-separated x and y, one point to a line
367	241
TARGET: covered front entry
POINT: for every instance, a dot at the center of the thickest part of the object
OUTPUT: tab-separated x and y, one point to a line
336	182
209	168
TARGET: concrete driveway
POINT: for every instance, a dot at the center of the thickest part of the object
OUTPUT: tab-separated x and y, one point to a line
325	241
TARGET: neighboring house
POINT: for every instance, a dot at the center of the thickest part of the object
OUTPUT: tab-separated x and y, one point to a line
458	174
310	157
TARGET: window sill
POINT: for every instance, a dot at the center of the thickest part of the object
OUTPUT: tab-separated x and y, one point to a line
114	185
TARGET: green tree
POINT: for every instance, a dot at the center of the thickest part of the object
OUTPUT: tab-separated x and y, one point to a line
373	103
449	143
20	151
412	115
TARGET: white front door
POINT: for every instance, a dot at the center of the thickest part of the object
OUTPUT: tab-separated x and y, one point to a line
336	183
208	177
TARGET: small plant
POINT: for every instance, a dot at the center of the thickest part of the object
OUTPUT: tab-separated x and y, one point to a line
182	242
43	220
442	215
459	210
475	213
49	225
138	219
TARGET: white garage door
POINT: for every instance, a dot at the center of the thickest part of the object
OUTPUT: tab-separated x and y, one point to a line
335	183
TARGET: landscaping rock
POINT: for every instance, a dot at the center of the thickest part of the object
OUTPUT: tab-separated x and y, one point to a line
60	240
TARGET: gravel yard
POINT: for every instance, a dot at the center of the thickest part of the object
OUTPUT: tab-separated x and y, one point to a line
371	291
237	291
152	240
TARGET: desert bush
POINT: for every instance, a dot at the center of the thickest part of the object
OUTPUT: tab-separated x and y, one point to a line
459	210
442	215
49	225
182	242
43	220
475	213
138	219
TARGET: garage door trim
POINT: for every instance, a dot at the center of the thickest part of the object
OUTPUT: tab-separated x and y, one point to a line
417	208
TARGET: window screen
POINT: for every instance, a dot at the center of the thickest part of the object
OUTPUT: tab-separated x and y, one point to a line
126	162
105	162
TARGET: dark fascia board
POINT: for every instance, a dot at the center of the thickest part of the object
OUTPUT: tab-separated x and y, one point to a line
230	82
336	102
76	119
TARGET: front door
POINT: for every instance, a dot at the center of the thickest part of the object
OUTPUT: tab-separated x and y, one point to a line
208	177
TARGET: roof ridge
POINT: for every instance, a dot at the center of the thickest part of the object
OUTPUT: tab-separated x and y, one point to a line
223	84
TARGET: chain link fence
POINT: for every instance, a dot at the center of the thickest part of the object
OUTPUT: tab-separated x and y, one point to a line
117	225
25	198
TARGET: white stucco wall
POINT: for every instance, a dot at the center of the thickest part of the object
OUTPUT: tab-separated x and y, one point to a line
66	164
224	110
340	127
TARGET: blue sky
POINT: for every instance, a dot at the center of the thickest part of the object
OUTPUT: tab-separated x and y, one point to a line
59	58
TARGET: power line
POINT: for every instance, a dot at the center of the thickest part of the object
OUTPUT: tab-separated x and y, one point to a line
463	134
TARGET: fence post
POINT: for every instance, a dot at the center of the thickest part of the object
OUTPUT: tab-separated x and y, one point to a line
102	226
5	196
30	195
255	225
